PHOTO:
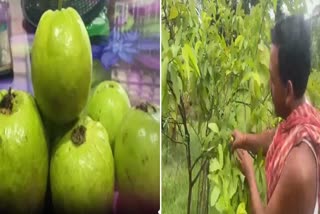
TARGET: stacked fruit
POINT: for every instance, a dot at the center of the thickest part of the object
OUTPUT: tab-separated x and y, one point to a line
77	146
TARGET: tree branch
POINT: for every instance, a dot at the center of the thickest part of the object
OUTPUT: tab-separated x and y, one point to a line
201	156
199	172
241	102
173	140
167	21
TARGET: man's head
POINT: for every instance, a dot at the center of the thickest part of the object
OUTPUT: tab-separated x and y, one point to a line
289	63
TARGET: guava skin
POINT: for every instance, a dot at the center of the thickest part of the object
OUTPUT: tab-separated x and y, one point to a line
82	174
61	62
23	156
137	160
108	105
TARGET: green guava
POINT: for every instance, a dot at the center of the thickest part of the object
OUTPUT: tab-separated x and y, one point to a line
108	105
61	65
23	154
82	170
137	157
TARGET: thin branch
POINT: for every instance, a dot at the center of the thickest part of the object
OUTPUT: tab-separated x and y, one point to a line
265	98
179	127
197	159
241	102
175	122
199	172
173	140
235	93
167	22
201	156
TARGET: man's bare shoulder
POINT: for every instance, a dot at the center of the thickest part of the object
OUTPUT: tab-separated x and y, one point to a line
298	179
296	189
300	165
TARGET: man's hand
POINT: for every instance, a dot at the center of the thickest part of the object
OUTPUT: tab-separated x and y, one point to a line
246	163
239	140
252	142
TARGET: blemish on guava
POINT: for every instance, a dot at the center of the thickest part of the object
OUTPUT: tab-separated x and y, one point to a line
111	86
125	135
6	104
145	159
128	176
78	135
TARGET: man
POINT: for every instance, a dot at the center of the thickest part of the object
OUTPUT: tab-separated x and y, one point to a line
292	150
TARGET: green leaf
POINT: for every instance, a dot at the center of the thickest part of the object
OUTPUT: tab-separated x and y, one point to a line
225	184
214	127
188	56
165	36
214	178
173	12
214	165
176	85
251	75
175	49
220	205
164	66
220	152
232	189
264	55
198	45
208	139
239	42
214	195
241	209
275	5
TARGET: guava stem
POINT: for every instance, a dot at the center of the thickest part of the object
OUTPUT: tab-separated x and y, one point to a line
78	135
60	4
146	107
6	104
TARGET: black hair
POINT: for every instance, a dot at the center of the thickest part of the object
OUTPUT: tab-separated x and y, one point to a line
292	37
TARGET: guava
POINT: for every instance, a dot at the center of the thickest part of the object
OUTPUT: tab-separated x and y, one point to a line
61	65
137	160
23	154
108	105
82	170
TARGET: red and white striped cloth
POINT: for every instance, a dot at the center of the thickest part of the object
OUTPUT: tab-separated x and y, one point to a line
302	123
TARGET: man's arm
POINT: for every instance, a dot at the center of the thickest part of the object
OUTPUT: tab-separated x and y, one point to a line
253	142
296	190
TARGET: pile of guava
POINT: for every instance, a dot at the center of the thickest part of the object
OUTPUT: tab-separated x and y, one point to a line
63	151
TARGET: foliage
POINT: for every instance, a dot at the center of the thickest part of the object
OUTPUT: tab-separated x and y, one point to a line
215	79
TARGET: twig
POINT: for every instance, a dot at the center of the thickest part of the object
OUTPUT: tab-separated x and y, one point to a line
201	156
199	172
241	102
173	140
167	22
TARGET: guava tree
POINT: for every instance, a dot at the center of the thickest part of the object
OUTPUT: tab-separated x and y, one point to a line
215	63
